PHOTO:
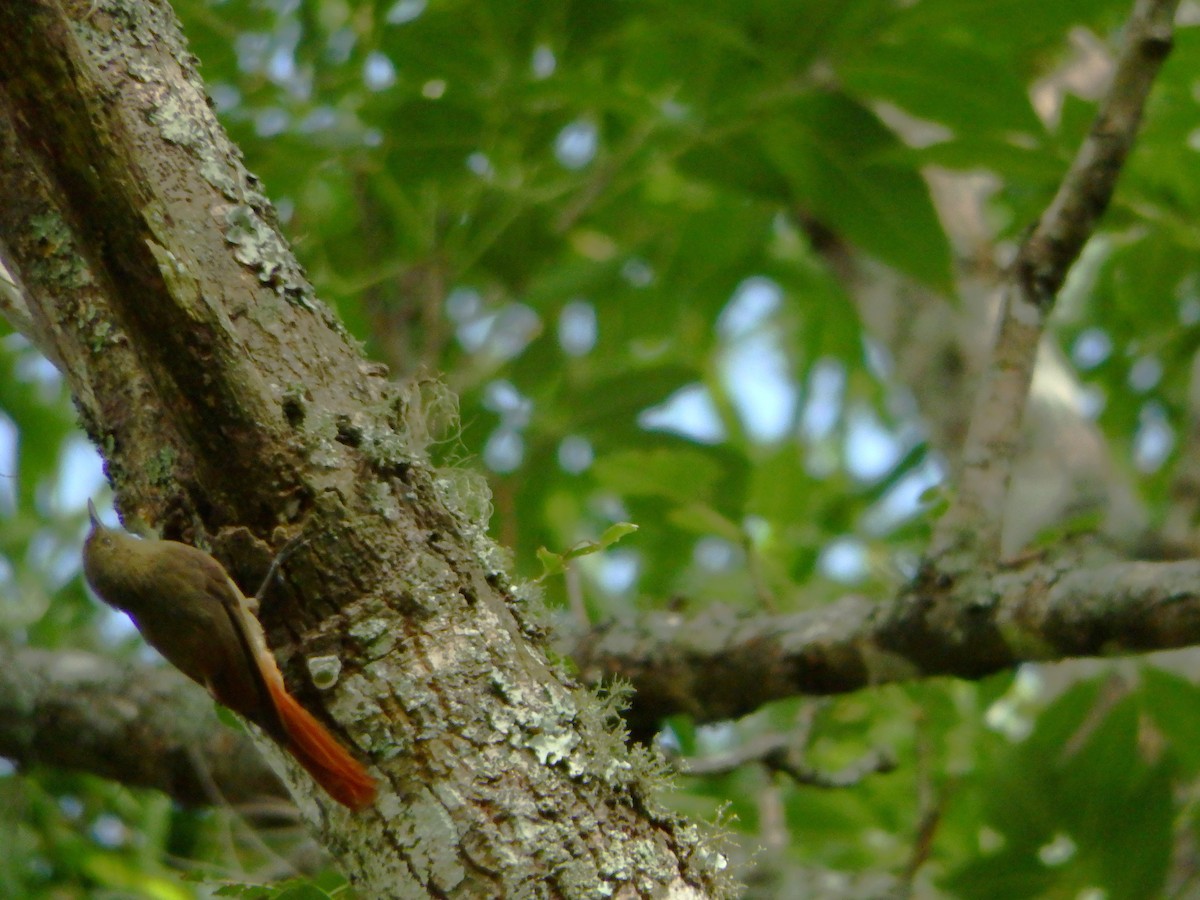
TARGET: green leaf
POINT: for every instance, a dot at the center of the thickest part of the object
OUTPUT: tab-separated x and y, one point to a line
303	891
699	518
1082	781
1020	797
846	168
244	891
614	533
1000	876
958	86
739	162
1013	29
617	400
1035	166
680	474
1172	703
1118	805
556	563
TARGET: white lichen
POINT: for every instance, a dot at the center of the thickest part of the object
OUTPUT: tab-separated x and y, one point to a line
324	670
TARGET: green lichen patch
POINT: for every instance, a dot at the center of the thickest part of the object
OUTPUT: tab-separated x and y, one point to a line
160	468
59	262
177	123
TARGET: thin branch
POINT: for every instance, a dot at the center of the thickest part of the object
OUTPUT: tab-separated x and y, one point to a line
779	753
971	528
930	804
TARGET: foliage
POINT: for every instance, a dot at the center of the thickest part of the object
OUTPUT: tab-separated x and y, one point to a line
610	226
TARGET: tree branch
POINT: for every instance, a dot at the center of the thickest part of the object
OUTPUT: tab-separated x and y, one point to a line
971	528
787	753
149	728
720	664
776	753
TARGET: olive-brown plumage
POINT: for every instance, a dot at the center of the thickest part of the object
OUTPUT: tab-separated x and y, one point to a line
188	608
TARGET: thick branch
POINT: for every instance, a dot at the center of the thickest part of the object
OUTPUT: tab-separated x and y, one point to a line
971	527
722	665
716	665
141	727
234	411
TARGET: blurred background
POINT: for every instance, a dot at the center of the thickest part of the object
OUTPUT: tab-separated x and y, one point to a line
726	271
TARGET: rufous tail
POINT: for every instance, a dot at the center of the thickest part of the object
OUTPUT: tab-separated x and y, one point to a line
340	774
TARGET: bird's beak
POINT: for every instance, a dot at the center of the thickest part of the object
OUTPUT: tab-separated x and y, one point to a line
92	514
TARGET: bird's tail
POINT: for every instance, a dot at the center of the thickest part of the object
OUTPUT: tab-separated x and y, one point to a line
331	766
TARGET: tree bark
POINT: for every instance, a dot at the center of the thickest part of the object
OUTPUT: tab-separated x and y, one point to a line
723	664
234	411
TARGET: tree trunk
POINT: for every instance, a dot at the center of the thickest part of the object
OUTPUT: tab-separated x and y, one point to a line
234	411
